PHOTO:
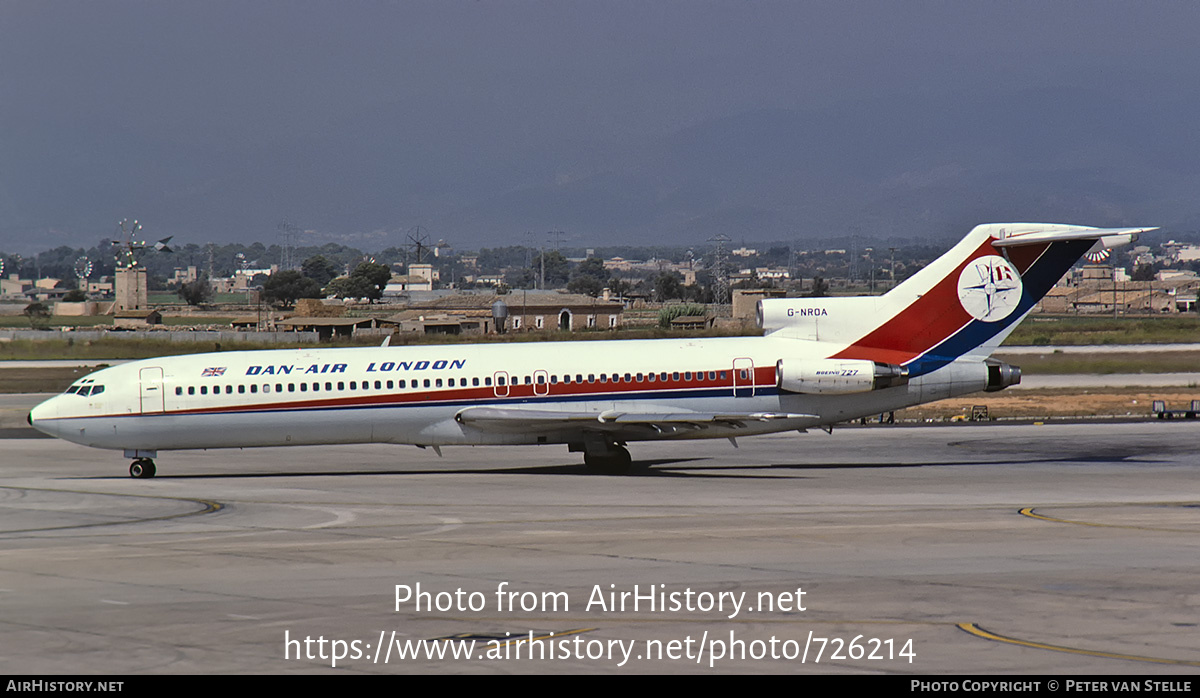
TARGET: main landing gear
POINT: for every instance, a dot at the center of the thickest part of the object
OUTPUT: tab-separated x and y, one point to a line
603	455
142	467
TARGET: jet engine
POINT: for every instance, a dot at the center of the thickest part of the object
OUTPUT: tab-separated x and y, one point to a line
1001	375
837	376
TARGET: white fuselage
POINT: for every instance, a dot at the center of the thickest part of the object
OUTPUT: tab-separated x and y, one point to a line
411	395
823	361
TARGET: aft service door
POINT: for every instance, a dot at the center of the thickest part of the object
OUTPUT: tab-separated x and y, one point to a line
743	378
151	380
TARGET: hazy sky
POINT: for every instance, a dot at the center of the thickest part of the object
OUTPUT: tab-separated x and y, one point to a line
613	121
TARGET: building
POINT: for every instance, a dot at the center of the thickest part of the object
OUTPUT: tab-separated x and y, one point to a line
402	285
1189	253
136	319
434	322
47	289
425	271
103	287
745	300
131	289
14	286
1129	298
420	277
183	276
80	308
1176	275
327	327
773	273
692	322
486	279
533	310
1133	300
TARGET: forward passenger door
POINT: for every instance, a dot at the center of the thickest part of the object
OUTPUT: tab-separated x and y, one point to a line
151	387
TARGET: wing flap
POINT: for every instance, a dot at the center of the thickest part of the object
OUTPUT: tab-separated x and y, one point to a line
520	418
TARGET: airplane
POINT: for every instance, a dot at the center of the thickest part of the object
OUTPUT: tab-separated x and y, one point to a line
820	361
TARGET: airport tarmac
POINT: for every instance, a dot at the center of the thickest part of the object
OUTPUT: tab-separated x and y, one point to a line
1057	549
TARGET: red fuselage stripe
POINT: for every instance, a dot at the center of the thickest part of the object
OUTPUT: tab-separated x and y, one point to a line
763	377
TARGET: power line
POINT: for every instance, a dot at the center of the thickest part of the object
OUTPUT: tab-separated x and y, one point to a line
720	268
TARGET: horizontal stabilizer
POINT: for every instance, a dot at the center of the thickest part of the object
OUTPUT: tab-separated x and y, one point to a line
1043	236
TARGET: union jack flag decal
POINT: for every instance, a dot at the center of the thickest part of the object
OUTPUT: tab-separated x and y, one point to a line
213	372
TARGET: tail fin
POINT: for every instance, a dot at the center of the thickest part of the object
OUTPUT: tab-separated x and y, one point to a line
964	304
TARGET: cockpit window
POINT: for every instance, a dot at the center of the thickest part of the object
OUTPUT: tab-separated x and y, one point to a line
84	388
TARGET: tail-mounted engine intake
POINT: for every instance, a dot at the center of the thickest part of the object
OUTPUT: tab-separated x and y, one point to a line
1001	375
837	376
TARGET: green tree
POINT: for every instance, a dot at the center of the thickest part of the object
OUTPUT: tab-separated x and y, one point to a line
586	285
593	267
669	313
319	269
667	286
197	292
557	270
286	286
38	314
1143	272
698	293
589	277
374	278
348	287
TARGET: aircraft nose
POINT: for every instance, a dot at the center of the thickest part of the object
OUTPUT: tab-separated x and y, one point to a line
42	412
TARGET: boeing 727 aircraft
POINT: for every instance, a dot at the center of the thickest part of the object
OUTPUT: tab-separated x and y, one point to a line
821	361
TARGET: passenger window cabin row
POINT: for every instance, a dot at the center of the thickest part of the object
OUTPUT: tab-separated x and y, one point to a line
403	384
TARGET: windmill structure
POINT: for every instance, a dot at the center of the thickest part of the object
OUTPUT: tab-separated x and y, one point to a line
130	284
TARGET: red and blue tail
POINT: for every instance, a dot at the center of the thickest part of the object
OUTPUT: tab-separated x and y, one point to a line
963	304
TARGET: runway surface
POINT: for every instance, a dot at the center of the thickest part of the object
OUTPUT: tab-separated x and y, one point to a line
1108	380
1096	348
1030	549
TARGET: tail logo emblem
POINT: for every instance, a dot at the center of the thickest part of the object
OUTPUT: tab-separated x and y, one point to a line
989	288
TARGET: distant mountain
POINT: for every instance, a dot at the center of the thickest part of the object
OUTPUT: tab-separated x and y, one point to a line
906	165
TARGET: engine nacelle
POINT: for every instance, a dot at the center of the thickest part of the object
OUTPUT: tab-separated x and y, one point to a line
1001	375
837	376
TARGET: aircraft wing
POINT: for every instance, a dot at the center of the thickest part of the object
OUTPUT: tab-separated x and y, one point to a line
522	419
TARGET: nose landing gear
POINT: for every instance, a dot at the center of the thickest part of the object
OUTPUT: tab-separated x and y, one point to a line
142	467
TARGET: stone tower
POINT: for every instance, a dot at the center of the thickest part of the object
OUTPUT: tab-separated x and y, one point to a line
131	289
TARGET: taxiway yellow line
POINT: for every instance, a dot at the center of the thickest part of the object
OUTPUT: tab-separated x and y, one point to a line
980	632
1028	511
